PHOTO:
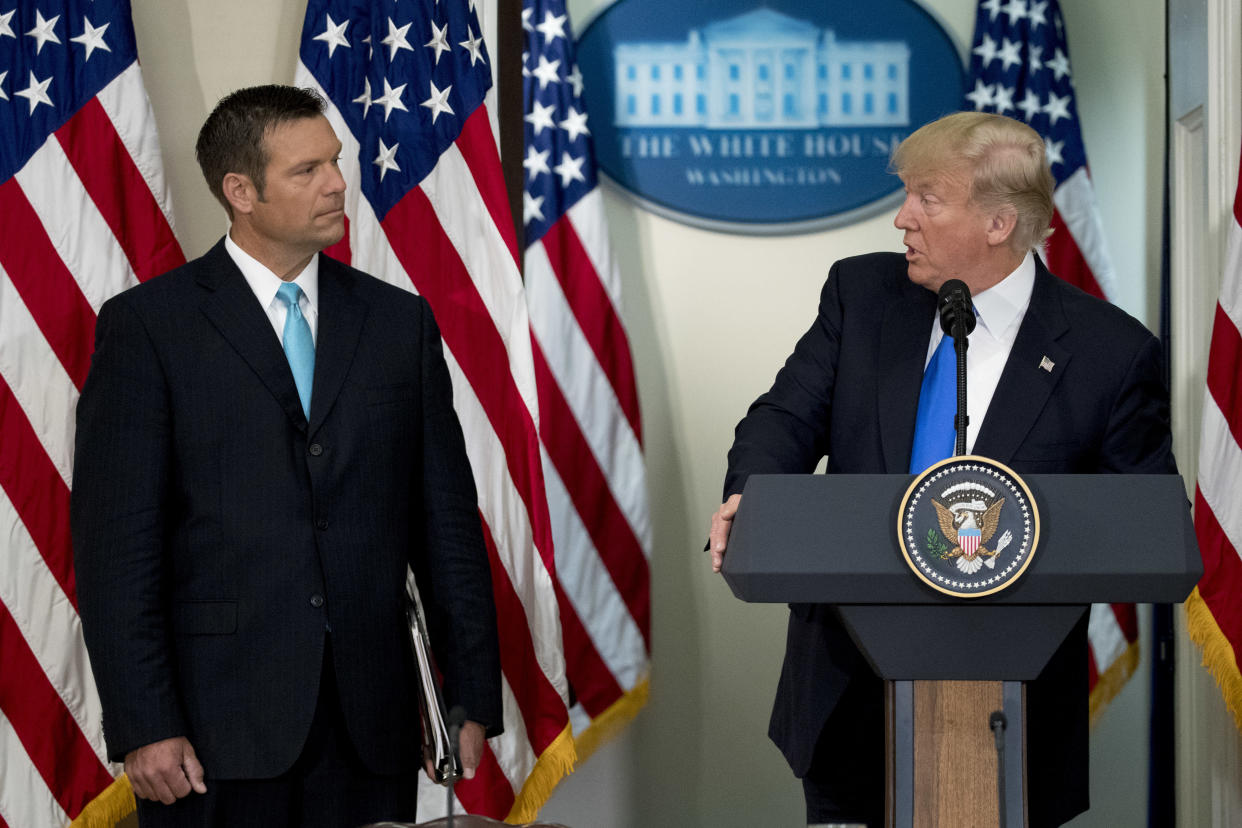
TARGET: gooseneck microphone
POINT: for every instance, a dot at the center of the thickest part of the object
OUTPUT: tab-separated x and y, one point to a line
957	319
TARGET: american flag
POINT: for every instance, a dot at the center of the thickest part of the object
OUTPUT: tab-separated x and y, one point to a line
1019	66
588	401
428	211
85	215
1215	608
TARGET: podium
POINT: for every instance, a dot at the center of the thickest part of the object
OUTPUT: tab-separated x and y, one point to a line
832	539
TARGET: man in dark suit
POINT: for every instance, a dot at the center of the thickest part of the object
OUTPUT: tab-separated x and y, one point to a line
1060	382
265	442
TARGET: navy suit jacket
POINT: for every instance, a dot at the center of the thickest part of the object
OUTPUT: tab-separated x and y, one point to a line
850	391
220	537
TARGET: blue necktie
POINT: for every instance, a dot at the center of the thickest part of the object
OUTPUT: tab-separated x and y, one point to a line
934	437
299	347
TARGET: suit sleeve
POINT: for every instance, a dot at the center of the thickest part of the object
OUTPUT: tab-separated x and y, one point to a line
785	431
454	575
118	515
1139	438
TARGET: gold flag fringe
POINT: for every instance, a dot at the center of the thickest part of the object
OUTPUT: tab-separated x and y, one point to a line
1110	682
113	804
608	724
556	762
1218	655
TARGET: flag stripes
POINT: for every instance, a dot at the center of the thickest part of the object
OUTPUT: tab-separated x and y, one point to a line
590	423
450	239
49	290
49	623
1215	608
51	737
36	378
597	318
24	796
36	490
104	168
588	491
85	215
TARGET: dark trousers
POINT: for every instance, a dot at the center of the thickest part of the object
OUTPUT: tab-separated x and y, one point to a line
327	787
845	782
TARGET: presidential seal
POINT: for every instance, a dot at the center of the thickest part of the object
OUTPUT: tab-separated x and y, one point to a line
968	526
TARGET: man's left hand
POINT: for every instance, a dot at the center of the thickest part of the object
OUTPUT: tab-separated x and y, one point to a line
471	747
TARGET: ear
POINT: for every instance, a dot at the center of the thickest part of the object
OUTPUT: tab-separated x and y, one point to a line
240	193
1001	226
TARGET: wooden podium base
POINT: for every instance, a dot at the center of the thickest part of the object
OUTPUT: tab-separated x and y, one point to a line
942	754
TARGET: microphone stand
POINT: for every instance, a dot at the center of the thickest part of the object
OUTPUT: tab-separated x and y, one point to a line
457	717
454	733
961	419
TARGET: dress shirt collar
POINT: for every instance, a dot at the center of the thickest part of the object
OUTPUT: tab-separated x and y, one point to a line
1002	306
264	283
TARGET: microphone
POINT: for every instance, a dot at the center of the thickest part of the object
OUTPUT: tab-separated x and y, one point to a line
957	314
957	320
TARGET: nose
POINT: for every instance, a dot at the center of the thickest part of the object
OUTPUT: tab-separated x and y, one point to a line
336	180
904	220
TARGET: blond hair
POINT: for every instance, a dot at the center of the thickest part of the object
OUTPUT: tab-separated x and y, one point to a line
1002	160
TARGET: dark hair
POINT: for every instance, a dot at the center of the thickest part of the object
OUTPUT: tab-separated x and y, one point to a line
232	138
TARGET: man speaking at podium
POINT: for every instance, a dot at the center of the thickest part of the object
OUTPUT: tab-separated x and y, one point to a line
1060	383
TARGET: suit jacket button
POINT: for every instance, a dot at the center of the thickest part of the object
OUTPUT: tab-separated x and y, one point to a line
322	523
315	449
316	600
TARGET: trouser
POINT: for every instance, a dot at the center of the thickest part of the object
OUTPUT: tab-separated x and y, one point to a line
327	787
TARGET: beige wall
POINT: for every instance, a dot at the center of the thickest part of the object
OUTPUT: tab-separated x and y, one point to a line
711	317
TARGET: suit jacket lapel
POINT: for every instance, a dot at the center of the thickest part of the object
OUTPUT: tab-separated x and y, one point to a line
1035	366
341	315
904	335
231	307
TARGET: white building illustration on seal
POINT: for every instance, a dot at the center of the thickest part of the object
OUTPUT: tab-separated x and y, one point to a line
762	70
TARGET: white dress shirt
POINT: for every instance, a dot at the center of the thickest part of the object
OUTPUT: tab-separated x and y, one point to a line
265	283
999	311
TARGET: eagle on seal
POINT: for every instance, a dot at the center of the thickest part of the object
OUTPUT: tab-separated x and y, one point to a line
969	530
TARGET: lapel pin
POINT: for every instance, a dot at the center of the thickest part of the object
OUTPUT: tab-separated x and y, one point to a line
1047	364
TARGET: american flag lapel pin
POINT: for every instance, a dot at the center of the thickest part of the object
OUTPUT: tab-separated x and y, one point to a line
1047	364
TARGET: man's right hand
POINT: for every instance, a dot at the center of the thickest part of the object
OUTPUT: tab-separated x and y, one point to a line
166	770
722	522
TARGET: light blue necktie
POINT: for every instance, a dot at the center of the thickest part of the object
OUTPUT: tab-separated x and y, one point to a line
299	347
934	436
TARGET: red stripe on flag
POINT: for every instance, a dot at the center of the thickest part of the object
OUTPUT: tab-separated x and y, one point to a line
36	490
478	146
1064	259
489	793
614	538
594	685
1222	573
114	183
1224	363
593	308
1127	620
543	710
46	729
417	238
46	286
1237	199
341	251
